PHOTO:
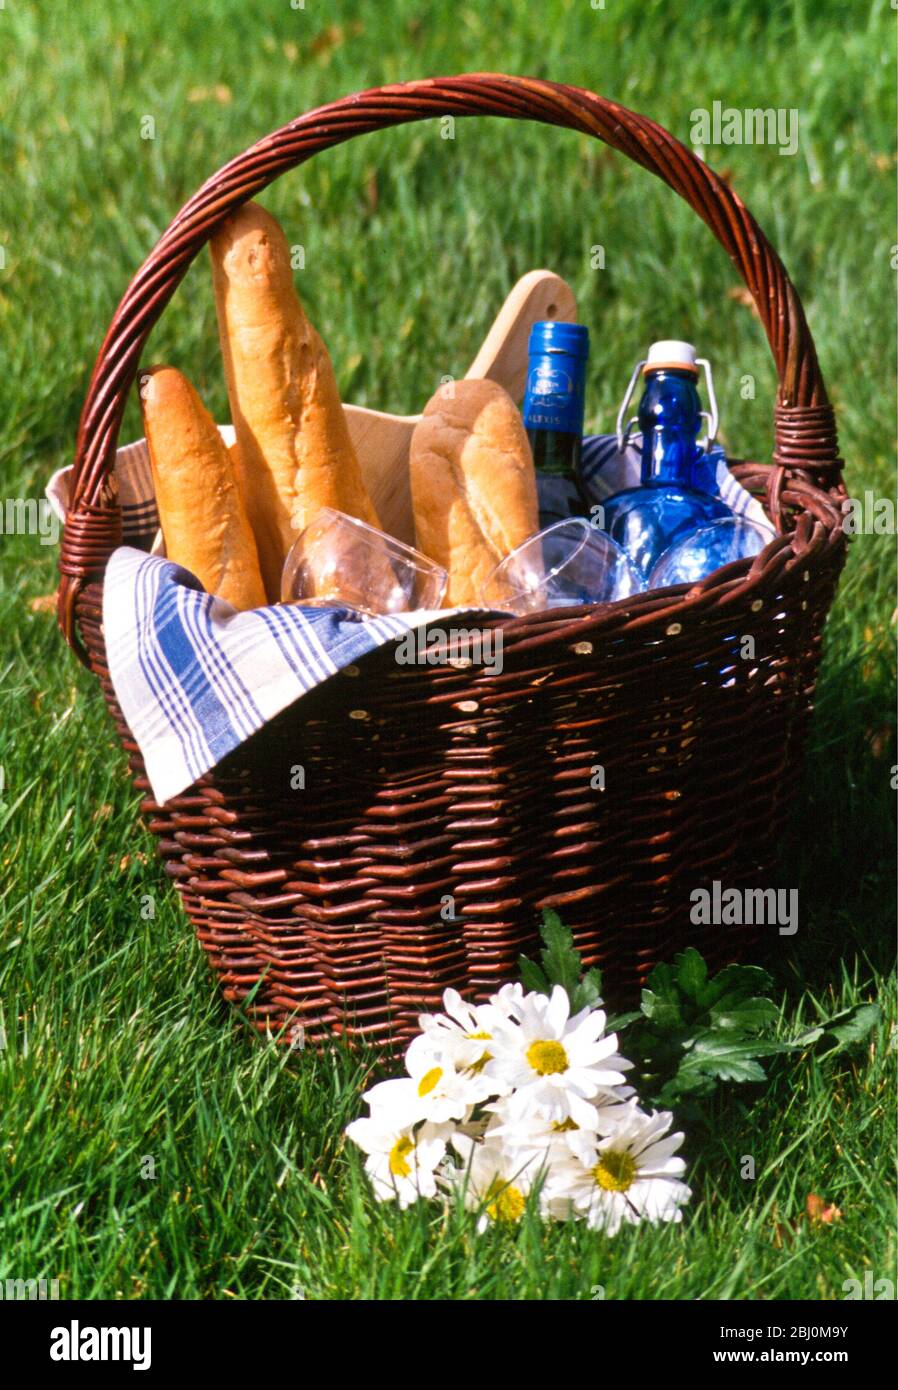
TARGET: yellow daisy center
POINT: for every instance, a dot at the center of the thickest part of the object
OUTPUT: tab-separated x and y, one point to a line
399	1164
564	1126
615	1171
477	1067
507	1201
547	1057
429	1080
476	1037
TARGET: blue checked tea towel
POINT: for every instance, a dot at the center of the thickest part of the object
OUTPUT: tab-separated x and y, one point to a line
194	678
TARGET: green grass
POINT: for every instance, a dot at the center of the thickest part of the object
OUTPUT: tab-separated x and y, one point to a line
116	1046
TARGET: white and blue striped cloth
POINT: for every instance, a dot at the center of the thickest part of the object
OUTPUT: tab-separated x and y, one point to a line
194	678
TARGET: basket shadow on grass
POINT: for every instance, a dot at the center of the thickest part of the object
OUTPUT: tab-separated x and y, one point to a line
840	845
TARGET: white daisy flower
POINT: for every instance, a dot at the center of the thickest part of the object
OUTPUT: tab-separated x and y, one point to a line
489	1182
460	1018
394	1102
443	1090
464	1031
401	1163
509	1000
531	1136
555	1065
464	1017
632	1176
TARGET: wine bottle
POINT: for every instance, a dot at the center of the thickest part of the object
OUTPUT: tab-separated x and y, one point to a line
553	415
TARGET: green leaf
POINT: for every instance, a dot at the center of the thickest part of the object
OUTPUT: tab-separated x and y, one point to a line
662	981
726	1055
692	1084
749	1015
736	982
619	1021
842	1031
560	959
588	992
691	972
532	977
854	1025
663	1009
561	965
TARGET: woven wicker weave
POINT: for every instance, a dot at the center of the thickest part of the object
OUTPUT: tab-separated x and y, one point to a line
444	806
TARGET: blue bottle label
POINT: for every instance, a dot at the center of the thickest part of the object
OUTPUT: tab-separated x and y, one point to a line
554	397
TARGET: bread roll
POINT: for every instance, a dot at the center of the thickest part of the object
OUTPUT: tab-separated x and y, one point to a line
473	483
295	450
201	512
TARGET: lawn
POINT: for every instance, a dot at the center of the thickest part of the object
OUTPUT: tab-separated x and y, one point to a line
150	1147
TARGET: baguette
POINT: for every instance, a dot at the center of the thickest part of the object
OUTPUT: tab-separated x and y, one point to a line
201	512
473	484
294	445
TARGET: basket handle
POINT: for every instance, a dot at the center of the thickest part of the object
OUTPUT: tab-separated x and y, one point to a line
805	432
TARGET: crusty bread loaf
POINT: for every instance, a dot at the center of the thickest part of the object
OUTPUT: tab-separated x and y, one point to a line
201	512
295	450
473	483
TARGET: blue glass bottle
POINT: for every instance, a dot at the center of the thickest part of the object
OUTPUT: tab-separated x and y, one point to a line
553	415
674	497
699	553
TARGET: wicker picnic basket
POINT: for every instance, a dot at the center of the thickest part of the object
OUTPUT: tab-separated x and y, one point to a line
446	805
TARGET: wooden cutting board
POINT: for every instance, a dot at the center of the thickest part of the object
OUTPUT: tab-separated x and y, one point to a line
382	440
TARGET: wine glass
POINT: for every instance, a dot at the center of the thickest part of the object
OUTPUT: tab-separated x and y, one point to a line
699	553
341	562
570	562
